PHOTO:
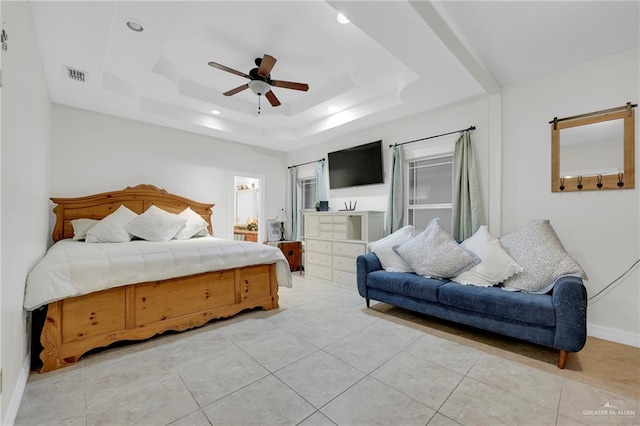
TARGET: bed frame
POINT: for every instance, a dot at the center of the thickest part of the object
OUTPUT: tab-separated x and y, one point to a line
138	311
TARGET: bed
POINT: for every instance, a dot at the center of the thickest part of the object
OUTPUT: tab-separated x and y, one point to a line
82	318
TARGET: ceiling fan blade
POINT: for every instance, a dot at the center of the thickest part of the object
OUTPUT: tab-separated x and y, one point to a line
290	85
236	90
266	66
231	70
271	97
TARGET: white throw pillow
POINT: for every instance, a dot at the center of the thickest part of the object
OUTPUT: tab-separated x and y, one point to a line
156	224
433	253
537	248
111	229
194	227
81	226
495	264
383	248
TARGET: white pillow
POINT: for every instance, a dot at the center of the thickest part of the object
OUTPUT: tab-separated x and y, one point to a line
433	253
383	248
495	264
81	226
543	258
194	227
111	229
156	224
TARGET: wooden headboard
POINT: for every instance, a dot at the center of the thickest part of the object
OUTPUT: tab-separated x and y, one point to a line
138	199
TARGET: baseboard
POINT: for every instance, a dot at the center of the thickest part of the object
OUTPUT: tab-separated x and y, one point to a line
613	335
16	398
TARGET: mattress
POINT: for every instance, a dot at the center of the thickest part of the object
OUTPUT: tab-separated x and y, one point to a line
74	268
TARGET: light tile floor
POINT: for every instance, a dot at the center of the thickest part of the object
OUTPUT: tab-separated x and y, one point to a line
324	359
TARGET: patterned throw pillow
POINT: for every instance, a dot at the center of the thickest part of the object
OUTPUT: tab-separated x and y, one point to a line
537	248
433	253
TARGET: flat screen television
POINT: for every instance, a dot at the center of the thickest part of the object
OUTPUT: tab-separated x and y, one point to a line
359	165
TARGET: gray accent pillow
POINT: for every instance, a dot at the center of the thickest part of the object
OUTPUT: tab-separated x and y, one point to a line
537	248
433	253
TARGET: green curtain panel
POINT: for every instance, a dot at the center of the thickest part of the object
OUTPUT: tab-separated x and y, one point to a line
467	205
321	192
293	173
394	219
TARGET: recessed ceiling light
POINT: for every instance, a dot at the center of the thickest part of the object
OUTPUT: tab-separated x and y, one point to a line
342	19
215	112
135	26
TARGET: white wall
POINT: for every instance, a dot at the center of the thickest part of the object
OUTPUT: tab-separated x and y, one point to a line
601	230
374	197
26	171
95	153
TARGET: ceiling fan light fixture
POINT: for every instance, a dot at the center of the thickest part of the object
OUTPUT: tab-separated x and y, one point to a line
259	87
342	19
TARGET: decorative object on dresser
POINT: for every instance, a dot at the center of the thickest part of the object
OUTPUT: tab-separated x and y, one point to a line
282	218
292	250
107	293
333	241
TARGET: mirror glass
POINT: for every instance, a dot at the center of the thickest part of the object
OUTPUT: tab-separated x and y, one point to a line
592	149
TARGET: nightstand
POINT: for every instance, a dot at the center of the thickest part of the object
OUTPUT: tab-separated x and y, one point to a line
292	251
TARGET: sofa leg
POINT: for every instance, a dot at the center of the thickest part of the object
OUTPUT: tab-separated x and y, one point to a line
562	358
367	300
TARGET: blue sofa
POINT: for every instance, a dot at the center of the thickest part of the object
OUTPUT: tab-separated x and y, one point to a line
557	319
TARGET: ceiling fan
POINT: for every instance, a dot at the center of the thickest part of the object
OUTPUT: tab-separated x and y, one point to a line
260	80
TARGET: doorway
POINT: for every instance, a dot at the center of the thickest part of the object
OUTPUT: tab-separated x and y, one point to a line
247	208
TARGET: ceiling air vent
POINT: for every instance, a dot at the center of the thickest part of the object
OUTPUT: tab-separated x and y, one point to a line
75	74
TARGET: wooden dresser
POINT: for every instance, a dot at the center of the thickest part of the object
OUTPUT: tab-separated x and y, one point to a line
244	234
333	241
292	251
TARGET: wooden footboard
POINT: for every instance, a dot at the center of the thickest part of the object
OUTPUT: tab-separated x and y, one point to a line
139	311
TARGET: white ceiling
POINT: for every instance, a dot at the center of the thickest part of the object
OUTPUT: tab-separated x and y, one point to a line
395	58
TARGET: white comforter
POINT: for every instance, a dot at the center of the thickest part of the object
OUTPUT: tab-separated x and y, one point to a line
73	268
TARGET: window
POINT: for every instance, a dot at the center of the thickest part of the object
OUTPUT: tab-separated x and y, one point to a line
429	191
307	199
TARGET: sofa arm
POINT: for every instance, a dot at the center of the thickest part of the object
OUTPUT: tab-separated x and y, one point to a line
569	299
366	263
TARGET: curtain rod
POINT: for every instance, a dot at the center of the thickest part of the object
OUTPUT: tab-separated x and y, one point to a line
436	136
308	162
628	107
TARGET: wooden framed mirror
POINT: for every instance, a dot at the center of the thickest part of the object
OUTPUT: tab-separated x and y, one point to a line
594	151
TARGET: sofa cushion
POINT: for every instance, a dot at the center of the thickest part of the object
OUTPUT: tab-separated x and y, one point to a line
525	307
407	284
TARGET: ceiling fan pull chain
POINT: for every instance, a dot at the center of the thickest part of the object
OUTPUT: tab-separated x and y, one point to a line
259	104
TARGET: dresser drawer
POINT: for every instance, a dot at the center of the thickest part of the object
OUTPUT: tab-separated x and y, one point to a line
339	227
348	249
347	264
334	235
343	277
333	219
319	259
318	246
318	272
